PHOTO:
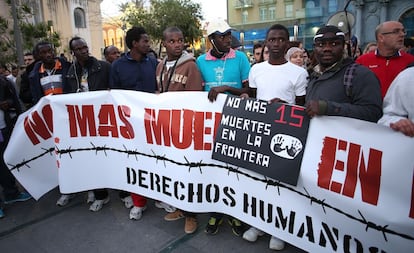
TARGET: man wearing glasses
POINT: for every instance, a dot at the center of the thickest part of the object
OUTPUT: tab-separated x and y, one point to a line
388	60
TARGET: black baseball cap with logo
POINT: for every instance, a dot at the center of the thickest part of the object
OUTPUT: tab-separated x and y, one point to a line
322	33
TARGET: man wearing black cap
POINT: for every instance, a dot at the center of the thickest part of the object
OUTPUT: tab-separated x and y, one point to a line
338	86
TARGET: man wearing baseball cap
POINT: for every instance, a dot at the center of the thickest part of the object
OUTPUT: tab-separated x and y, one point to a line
223	70
338	86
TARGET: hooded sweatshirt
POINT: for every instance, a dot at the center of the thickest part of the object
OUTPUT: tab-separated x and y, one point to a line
179	75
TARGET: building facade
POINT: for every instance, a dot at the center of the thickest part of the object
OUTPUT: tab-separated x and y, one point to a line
252	18
69	18
113	33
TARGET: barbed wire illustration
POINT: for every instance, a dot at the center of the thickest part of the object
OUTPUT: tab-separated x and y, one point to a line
231	169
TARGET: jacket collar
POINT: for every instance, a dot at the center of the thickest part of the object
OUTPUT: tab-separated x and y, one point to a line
230	54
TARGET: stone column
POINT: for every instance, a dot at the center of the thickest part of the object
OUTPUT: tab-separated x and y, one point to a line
383	11
359	22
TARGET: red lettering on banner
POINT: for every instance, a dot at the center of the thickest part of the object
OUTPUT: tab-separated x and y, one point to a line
127	131
38	125
369	173
179	128
108	124
82	118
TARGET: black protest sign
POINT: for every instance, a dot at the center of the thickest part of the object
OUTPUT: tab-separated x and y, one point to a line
265	138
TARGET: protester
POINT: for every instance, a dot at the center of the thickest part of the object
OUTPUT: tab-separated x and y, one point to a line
28	59
399	103
111	53
306	58
177	72
257	52
295	56
339	87
264	56
290	88
388	60
223	70
25	94
47	76
370	47
13	75
135	71
3	70
86	74
9	110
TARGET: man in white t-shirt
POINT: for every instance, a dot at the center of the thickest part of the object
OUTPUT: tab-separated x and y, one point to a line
276	80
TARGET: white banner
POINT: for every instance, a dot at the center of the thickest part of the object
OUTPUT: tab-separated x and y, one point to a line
354	192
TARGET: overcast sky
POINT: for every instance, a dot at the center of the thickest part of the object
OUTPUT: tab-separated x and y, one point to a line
210	8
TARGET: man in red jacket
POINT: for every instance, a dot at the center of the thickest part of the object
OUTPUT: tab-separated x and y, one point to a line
387	61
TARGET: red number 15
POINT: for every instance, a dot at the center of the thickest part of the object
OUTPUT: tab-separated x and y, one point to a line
296	120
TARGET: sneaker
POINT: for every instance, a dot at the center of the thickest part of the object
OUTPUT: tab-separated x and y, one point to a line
91	197
190	225
1	213
136	212
174	216
23	196
98	204
236	227
213	226
276	244
64	199
127	202
252	234
165	206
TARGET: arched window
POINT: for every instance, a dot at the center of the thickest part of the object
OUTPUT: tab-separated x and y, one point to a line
80	20
407	19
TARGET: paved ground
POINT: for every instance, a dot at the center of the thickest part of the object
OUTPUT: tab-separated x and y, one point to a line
42	227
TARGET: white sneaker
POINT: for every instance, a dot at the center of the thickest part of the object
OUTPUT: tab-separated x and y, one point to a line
276	244
165	206
98	204
128	202
136	212
91	197
252	233
64	199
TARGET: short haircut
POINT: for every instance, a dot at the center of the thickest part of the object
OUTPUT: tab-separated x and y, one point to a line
278	27
72	40
172	29
28	53
378	30
257	45
105	51
134	33
41	44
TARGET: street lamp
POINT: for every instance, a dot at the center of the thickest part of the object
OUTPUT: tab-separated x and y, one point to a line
295	31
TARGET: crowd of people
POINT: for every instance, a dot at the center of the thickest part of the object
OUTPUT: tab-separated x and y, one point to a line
334	80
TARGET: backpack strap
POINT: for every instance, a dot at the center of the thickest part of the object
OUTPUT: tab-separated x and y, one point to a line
349	75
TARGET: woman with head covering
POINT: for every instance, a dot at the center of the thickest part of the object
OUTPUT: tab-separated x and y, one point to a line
295	56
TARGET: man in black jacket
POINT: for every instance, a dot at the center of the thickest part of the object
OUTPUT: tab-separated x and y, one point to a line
86	74
9	110
338	86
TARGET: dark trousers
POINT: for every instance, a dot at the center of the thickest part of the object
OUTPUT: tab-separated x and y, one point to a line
101	194
7	180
